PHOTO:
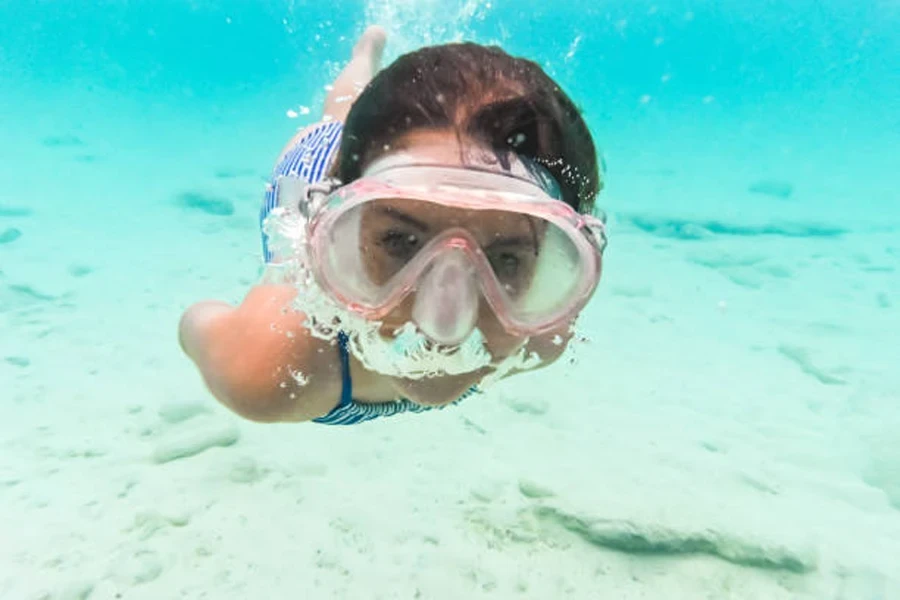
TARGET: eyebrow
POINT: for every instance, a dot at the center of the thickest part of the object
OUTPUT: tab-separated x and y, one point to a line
394	213
520	241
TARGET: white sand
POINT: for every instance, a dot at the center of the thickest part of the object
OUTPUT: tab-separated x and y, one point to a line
725	432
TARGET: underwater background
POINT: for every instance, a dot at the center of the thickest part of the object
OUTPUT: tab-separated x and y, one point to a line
727	427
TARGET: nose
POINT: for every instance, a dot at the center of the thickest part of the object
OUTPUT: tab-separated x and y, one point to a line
446	305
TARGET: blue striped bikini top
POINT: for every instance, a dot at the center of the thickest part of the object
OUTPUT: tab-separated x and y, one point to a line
349	411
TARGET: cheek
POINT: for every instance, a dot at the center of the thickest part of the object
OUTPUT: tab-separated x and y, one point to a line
373	264
398	317
500	343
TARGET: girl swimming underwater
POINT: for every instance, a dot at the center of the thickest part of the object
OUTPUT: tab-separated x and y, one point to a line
433	231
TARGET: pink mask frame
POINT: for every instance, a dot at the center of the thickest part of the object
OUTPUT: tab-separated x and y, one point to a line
463	187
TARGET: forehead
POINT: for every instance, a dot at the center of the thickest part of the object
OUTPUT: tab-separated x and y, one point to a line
445	146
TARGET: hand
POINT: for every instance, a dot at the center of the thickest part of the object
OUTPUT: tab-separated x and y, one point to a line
195	324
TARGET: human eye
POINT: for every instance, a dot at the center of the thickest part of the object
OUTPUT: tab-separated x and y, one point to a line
506	264
399	244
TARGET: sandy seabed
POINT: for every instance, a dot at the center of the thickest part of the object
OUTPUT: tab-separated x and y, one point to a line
727	428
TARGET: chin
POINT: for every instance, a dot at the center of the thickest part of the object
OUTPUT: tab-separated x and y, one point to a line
438	391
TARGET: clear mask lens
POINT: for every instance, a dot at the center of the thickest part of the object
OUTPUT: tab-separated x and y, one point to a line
380	250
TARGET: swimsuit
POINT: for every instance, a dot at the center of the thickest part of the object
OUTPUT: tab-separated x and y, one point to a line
310	158
349	411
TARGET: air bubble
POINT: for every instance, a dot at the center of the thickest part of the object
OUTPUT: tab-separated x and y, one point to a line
573	47
300	378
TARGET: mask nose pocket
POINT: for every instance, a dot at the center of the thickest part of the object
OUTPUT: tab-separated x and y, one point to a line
446	305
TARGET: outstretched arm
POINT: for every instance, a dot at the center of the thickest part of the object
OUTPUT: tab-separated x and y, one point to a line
259	360
250	356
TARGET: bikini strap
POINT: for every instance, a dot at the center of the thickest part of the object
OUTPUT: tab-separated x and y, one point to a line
346	382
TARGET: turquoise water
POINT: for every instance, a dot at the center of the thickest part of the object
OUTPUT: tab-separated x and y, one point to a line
728	428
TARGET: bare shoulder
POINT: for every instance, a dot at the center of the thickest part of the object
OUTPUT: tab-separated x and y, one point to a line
271	367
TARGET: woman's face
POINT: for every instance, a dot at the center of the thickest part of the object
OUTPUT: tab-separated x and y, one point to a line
393	231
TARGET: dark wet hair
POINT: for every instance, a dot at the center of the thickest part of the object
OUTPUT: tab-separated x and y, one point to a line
480	92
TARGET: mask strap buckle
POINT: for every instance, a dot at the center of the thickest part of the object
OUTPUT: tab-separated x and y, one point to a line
596	230
313	196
